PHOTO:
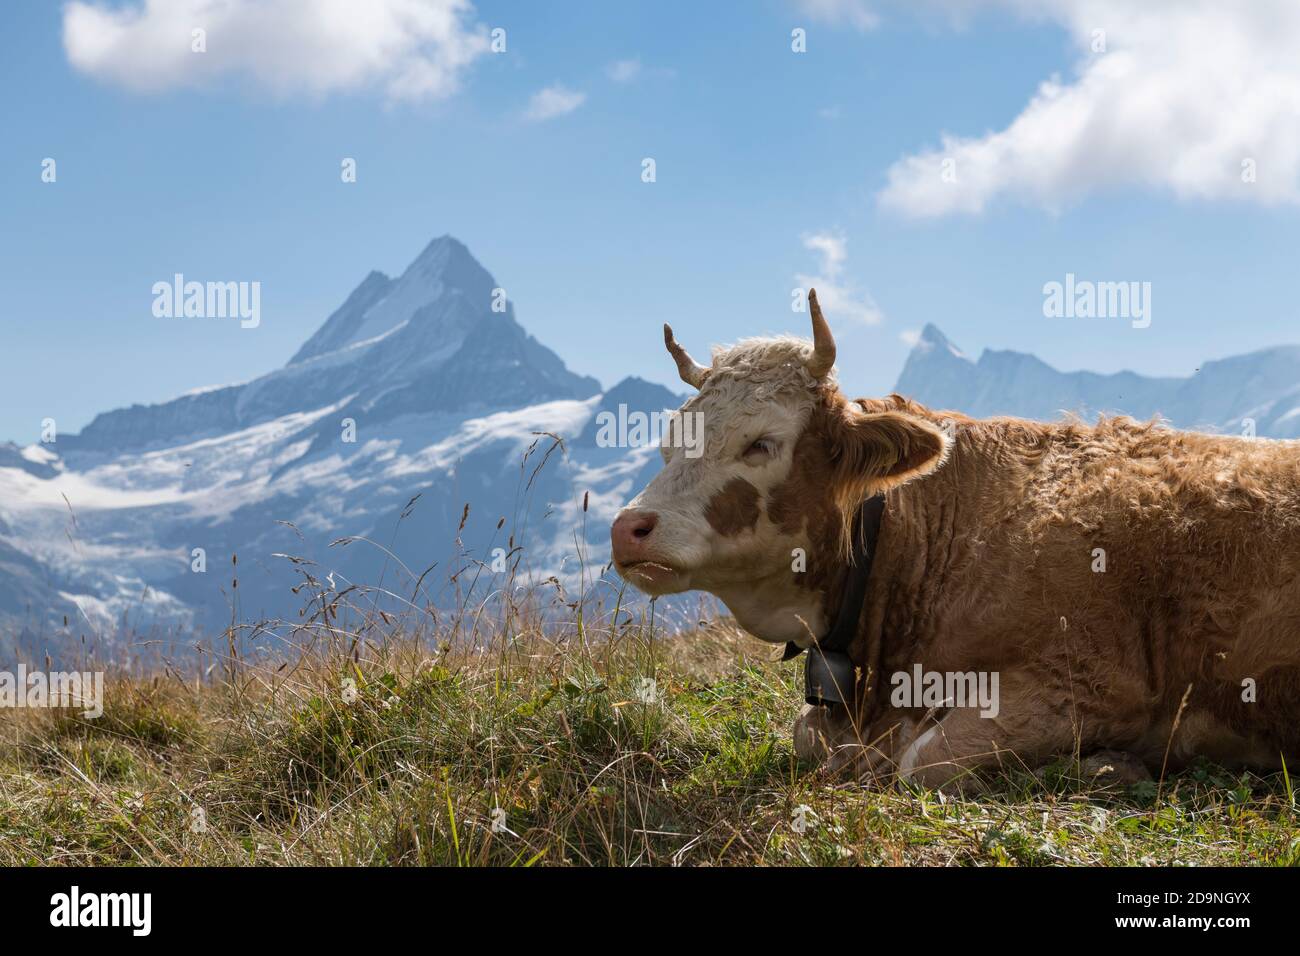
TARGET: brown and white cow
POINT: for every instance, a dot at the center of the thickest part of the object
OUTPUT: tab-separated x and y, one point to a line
1134	589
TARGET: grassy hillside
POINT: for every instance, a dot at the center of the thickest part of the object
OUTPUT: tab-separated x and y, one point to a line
405	752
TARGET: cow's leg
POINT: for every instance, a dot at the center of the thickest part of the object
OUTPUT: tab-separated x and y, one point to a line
942	752
813	732
826	736
1113	768
831	738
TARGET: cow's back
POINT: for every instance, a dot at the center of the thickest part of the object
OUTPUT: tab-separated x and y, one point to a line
1129	569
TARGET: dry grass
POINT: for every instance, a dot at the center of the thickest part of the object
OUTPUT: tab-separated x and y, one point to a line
562	744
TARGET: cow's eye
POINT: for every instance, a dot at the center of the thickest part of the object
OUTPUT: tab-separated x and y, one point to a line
759	449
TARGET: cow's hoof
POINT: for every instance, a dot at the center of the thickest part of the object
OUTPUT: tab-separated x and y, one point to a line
824	738
812	735
1113	768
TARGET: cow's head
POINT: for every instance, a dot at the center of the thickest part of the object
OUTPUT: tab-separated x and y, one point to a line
759	511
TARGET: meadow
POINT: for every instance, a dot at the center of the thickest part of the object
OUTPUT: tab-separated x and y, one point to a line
606	741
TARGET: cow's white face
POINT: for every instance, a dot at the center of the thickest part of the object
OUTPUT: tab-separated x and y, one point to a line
756	513
701	523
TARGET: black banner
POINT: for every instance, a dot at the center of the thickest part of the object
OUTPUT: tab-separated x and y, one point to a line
334	906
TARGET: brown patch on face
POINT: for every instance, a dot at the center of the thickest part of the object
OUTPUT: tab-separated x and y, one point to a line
805	502
733	509
805	499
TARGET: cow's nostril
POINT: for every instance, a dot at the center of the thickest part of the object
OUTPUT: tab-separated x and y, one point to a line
630	532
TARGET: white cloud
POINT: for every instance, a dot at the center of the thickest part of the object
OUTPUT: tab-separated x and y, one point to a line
833	250
623	71
910	337
411	49
854	13
1184	94
838	296
553	101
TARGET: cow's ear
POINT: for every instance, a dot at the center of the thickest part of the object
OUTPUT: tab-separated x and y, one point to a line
874	452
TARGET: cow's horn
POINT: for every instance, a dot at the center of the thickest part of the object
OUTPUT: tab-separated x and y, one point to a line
691	371
823	355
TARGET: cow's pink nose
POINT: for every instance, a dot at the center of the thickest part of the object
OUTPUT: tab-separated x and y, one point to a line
630	533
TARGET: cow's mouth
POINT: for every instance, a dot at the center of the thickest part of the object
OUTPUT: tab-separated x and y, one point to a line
653	577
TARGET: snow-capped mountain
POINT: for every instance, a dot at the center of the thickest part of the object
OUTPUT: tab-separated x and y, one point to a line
426	341
1222	396
423	385
420	395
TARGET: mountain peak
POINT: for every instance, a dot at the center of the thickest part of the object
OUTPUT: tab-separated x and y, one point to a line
932	345
634	394
442	255
1260	385
932	336
445	268
429	339
441	247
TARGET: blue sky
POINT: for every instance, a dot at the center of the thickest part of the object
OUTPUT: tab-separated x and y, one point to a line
759	151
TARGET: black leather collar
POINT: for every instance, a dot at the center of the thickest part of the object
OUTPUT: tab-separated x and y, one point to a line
865	534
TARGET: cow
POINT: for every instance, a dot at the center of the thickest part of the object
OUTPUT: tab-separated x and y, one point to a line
1127	589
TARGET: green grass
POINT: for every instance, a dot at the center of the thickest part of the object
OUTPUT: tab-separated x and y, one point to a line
562	744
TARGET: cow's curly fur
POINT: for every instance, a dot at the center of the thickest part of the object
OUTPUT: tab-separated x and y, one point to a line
748	374
1123	577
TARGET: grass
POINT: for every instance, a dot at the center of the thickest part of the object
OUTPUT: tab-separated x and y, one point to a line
545	751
